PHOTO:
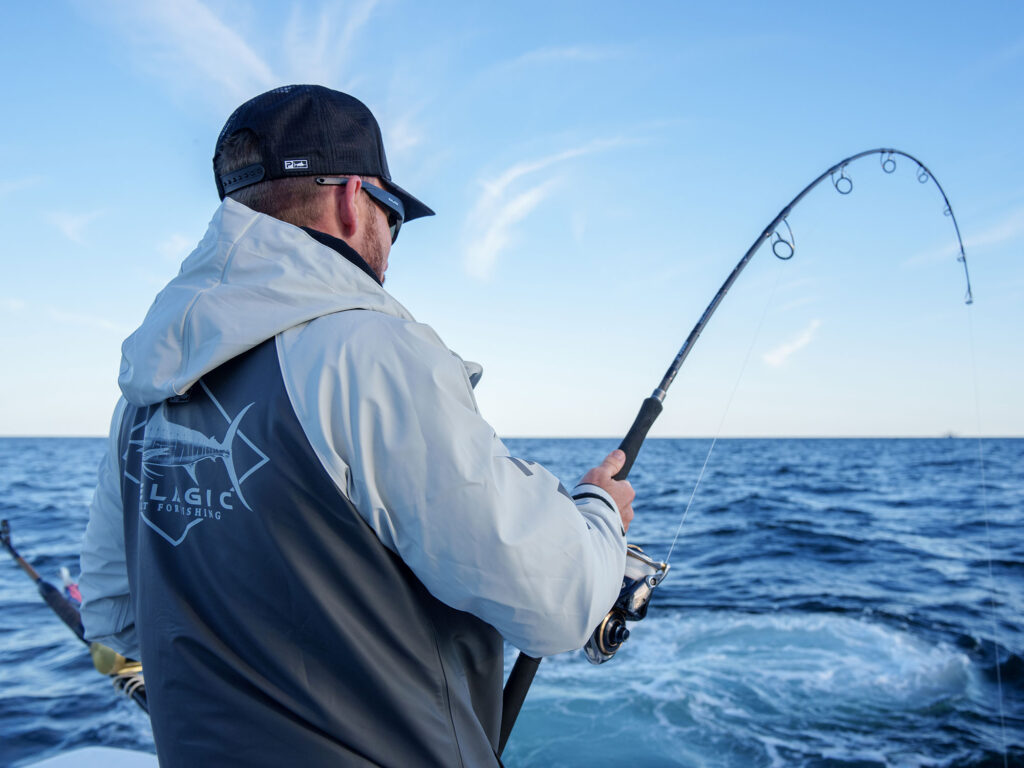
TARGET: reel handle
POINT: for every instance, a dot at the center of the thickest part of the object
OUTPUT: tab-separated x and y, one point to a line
630	445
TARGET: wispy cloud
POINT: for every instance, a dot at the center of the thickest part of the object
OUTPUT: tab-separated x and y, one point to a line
319	48
992	63
507	200
10	186
779	355
330	47
483	251
72	225
803	290
85	320
189	46
796	303
77	319
578	225
175	247
207	48
1009	228
403	132
496	187
569	53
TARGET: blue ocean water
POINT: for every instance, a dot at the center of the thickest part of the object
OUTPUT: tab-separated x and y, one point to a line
830	603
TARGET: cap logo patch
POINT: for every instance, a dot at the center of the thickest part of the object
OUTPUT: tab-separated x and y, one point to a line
296	165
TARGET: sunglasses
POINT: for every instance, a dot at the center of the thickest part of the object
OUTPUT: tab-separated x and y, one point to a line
388	203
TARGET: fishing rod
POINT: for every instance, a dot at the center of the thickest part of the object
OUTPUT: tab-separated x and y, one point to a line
126	673
642	573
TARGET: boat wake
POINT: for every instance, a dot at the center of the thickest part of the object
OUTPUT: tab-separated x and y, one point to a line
724	689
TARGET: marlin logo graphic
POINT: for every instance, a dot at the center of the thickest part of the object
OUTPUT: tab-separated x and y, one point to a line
167	444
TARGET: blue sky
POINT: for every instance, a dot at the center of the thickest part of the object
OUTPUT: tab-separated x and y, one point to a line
597	170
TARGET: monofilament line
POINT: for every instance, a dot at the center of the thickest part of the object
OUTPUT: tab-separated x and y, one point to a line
728	404
988	535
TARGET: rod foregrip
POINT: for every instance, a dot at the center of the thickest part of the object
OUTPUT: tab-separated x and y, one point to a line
630	445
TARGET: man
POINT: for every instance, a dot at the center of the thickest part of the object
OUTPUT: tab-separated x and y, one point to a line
304	525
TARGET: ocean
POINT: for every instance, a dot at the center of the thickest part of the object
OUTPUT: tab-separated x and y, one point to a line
831	602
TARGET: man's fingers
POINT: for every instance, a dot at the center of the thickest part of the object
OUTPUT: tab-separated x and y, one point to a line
614	461
621	491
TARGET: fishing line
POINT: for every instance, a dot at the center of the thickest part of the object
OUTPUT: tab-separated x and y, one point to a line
988	535
646	574
728	404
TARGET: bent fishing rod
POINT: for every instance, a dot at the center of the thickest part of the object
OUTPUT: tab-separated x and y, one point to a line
642	573
125	673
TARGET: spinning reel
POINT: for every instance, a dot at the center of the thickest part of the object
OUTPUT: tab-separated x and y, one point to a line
641	577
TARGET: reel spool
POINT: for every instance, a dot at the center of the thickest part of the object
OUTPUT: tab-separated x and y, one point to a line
641	577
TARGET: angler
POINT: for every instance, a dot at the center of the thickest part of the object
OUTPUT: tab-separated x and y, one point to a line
642	574
389	542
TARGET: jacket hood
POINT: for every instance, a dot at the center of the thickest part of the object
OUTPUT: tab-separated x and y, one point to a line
250	278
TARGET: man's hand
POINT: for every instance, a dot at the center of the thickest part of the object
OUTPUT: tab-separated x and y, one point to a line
620	490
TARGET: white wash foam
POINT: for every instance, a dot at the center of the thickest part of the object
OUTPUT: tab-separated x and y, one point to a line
729	689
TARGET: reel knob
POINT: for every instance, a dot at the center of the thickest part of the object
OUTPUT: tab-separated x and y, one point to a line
616	633
607	638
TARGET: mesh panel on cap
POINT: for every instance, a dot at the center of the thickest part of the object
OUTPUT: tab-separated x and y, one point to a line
232	124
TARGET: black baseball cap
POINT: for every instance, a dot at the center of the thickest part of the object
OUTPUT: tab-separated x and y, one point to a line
310	130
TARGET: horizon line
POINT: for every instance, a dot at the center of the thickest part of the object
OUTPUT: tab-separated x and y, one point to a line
948	436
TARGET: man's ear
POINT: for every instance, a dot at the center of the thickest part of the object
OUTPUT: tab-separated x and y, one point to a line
346	208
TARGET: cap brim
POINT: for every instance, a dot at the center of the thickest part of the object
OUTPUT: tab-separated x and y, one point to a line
414	209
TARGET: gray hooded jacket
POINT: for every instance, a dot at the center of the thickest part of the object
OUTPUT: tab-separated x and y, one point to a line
298	474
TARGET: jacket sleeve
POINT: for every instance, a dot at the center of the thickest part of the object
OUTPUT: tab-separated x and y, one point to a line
107	613
391	414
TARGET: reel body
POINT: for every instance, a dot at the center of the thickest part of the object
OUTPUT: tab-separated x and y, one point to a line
642	575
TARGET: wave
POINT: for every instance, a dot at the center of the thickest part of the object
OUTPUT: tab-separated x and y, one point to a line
784	688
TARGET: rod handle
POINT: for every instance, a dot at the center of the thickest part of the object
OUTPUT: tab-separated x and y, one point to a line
514	695
62	607
630	445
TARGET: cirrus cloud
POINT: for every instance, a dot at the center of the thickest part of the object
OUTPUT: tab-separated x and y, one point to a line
508	199
777	356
